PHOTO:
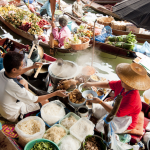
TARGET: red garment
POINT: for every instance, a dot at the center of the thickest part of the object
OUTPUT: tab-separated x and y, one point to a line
131	104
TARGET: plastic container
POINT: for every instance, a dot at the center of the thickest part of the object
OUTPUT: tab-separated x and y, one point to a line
69	25
33	142
67	116
25	138
146	96
1	64
39	115
58	125
68	136
85	93
85	127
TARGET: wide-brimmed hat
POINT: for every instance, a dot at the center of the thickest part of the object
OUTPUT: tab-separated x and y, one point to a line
134	75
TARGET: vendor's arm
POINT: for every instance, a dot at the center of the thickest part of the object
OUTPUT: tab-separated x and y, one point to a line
35	65
60	93
105	105
101	84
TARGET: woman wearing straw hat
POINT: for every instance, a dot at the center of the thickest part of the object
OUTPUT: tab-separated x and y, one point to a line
133	77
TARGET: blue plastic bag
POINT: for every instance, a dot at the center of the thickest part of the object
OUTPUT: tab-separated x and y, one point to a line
30	1
146	49
1	64
106	32
47	7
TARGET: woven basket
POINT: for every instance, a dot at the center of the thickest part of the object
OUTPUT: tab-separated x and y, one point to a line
82	46
106	21
118	26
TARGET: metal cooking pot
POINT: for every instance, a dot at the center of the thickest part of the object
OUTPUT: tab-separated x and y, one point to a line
68	70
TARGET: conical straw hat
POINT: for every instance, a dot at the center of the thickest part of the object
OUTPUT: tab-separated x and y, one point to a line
134	75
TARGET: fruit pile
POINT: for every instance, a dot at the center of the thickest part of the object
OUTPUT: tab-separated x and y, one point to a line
25	27
43	22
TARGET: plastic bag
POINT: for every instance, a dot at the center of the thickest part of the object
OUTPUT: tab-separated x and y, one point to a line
117	145
25	138
106	32
146	49
3	2
49	119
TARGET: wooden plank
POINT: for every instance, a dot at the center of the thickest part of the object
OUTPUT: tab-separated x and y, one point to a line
5	143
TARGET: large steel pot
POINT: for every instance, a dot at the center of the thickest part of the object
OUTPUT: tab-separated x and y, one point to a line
68	70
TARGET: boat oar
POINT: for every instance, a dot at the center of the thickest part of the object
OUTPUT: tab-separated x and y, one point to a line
37	72
33	46
93	43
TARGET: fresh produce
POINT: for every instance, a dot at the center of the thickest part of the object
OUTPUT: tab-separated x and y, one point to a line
124	45
130	38
43	22
43	146
25	27
21	19
123	41
75	40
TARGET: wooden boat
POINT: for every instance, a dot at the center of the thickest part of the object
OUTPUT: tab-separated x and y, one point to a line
141	38
124	53
16	46
107	1
102	9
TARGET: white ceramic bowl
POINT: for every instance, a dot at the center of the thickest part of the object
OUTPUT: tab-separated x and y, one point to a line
85	93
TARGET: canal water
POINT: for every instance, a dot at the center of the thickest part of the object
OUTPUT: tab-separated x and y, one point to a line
103	62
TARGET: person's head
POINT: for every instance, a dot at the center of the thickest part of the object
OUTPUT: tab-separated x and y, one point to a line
63	21
133	76
13	62
78	0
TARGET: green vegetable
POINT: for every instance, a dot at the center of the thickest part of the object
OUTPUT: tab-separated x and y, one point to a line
43	146
128	46
130	38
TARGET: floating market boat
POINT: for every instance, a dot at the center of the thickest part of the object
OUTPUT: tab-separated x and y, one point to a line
141	38
107	1
102	9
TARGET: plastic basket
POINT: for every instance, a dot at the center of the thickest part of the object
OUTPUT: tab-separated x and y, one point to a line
67	116
58	125
39	115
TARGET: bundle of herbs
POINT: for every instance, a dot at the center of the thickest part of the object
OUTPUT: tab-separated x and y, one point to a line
123	41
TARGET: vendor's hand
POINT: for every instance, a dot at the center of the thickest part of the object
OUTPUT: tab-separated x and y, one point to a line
61	93
24	83
95	100
37	65
87	84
